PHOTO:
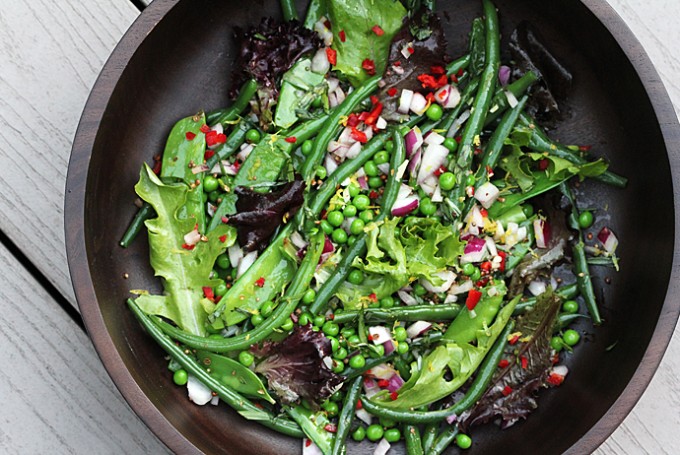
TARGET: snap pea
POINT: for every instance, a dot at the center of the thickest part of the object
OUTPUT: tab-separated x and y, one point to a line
477	388
144	213
315	10
237	401
332	125
480	107
412	439
293	294
429	435
230	113
346	416
331	285
234	142
225	208
442	312
464	328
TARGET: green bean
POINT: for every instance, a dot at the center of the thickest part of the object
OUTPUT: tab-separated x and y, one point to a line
237	401
444	439
412	439
289	10
291	298
346	416
332	126
500	102
565	319
230	113
458	64
442	312
565	292
331	285
429	436
302	132
477	388
236	138
540	142
144	213
585	284
480	108
493	148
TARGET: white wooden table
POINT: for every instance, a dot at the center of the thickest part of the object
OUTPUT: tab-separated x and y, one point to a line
56	396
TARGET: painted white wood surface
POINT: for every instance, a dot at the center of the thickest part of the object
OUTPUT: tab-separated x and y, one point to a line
56	396
51	54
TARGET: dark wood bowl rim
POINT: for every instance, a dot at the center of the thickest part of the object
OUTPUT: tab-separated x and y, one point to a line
84	287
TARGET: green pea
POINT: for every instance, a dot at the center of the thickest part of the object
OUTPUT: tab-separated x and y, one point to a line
571	337
476	275
371	168
213	196
463	441
309	296
245	358
307	147
385	422
305	318
335	344
318	102
570	306
221	288
210	183
378	351
338	396
355	276
354	190
256	320
326	227
358	361
556	343
375	182
366	216
374	432
267	308
528	210
321	172
361	202
339	236
341	354
331	408
450	143
389	146
335	218
359	434
419	290
357	226
351	240
353	340
468	269
434	112
427	207
470	180
393	434
402	347
287	325
319	320
381	157
400	334
252	135
338	367
216	336
223	261
447	181
585	219
387	302
330	328
180	377
349	211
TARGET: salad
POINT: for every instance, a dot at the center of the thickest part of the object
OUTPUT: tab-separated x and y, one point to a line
375	240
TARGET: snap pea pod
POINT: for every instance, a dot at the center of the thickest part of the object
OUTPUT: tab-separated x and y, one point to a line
293	294
237	401
234	142
477	388
565	292
313	425
412	440
315	10
500	103
389	196
289	11
429	435
444	440
480	107
442	312
540	142
476	47
346	416
230	113
136	225
332	125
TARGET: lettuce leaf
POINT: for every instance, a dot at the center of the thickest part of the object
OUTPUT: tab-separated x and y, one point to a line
184	272
398	254
428	383
356	18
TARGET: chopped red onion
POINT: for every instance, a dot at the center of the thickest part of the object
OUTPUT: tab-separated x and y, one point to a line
405	206
395	383
245	263
383	371
542	233
199	168
371	387
537	287
389	347
330	164
333	82
461	288
245	152
381	123
413	140
328	246
608	239
384	168
364	416
198	393
363	183
407	298
474	245
433	138
504	75
451	419
235	253
229	169
434	157
353	151
193	237
458	123
297	240
418	328
437	194
414	163
379	334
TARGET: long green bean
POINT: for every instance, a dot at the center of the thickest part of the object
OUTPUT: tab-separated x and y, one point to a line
444	440
230	113
429	435
346	416
144	213
237	401
412	439
442	312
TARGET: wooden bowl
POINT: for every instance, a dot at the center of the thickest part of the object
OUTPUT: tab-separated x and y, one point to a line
176	59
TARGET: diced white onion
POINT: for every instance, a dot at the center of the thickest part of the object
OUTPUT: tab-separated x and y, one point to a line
235	253
405	101
537	287
320	63
245	263
417	328
379	334
486	194
382	448
198	393
418	104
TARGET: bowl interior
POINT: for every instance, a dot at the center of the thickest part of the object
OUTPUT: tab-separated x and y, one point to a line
183	65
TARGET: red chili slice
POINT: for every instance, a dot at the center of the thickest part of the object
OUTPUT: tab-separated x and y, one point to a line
392	91
369	66
291	139
378	30
473	299
190	136
205	128
342	36
332	56
260	282
359	136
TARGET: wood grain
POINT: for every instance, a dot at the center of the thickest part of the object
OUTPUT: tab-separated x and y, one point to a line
57	398
51	53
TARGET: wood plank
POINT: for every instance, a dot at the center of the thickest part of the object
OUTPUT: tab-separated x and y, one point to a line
57	398
52	53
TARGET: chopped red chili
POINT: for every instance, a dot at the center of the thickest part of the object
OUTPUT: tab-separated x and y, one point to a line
205	128
392	91
383	383
186	246
331	428
190	136
394	395
378	30
342	36
369	66
359	136
208	293
373	195
208	154
503	363
260	282
225	220
543	164
472	299
372	297
507	390
555	379
291	139
513	339
223	238
524	361
332	56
